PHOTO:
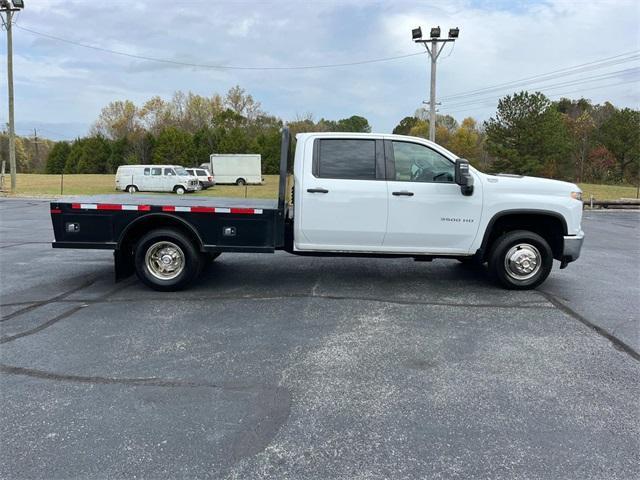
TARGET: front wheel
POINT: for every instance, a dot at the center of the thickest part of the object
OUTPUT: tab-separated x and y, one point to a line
520	260
132	189
179	189
166	260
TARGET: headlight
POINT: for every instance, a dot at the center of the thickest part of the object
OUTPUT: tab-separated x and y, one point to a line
576	195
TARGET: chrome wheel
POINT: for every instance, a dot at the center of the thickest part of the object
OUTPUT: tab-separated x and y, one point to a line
165	260
522	261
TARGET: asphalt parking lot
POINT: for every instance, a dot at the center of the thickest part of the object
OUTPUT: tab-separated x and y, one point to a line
277	366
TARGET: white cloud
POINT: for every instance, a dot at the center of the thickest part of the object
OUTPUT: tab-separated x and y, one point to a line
497	44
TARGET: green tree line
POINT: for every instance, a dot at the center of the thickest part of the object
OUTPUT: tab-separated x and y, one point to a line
31	152
529	134
184	131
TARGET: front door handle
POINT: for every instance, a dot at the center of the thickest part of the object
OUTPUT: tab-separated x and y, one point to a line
403	193
317	190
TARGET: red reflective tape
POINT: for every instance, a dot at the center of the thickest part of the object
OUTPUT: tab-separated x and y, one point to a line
249	211
109	206
56	210
169	209
144	208
203	209
75	206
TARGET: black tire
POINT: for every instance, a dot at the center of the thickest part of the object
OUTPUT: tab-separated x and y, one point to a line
241	181
504	271
179	190
132	188
191	260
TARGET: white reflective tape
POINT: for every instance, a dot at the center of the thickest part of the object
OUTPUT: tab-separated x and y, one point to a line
223	210
90	206
129	207
257	211
182	209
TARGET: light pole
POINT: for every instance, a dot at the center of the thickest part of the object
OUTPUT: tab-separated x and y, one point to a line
8	7
434	53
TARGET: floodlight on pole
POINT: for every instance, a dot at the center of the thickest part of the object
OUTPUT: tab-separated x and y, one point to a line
434	52
18	3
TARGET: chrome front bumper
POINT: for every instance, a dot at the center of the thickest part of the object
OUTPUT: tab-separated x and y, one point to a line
572	247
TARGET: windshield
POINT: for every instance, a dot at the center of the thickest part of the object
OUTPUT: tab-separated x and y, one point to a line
181	171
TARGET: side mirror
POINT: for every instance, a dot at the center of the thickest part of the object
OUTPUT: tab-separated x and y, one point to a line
463	177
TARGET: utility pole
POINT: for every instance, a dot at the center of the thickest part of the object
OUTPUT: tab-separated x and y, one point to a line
434	53
36	142
8	7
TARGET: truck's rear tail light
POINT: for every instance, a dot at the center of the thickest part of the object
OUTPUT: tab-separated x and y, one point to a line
210	179
56	210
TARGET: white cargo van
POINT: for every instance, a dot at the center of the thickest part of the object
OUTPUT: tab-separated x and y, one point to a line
236	168
155	178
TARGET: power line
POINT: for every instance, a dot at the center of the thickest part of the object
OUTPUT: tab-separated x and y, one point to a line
471	108
579	81
542	80
597	64
30	130
222	67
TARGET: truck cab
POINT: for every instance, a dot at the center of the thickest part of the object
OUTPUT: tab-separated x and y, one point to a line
393	194
353	195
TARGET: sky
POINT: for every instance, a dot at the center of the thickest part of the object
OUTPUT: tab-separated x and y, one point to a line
60	87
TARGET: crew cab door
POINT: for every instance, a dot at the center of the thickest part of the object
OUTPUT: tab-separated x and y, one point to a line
427	211
344	195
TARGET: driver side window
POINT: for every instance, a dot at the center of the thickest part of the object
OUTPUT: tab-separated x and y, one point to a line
417	163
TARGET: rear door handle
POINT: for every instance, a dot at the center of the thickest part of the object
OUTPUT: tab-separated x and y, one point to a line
317	190
403	193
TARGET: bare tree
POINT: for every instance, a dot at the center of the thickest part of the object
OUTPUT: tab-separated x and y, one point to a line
117	120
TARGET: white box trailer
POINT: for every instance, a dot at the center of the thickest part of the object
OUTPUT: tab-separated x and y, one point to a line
240	169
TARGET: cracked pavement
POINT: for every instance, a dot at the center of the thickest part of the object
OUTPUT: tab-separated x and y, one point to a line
276	366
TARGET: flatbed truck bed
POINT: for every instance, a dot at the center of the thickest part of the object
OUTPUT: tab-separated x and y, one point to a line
221	224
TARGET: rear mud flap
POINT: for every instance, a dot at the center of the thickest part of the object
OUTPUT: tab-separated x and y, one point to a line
123	264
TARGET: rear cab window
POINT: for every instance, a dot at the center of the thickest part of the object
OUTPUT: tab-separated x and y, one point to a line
349	159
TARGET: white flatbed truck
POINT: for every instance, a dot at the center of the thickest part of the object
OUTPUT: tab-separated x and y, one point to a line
365	195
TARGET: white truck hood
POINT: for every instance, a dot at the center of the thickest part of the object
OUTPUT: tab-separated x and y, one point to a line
526	184
518	193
